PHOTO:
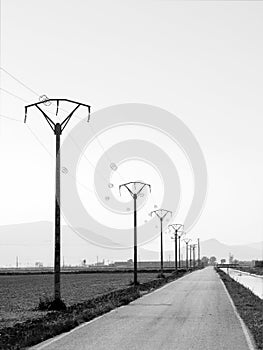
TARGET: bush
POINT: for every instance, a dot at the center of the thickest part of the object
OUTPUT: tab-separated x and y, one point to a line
48	303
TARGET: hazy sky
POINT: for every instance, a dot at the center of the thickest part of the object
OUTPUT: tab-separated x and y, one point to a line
201	60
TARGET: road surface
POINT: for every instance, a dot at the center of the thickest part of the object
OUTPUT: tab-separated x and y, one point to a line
192	313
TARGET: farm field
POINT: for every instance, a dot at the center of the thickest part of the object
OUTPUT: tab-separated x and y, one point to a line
19	295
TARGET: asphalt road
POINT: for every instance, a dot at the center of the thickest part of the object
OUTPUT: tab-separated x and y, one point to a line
192	313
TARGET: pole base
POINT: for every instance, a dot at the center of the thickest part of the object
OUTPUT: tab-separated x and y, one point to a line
161	275
49	304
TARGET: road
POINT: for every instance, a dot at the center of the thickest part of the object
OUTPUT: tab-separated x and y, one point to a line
192	313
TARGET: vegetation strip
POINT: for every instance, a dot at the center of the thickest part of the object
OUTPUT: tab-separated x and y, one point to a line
249	306
251	270
35	331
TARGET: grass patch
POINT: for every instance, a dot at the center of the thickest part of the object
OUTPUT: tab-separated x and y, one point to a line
32	332
249	306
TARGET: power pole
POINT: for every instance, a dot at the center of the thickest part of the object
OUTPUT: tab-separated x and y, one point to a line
190	247
194	246
57	128
176	228
199	260
134	193
179	246
186	250
161	214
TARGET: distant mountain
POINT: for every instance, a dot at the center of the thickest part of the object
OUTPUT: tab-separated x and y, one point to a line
241	252
212	247
32	242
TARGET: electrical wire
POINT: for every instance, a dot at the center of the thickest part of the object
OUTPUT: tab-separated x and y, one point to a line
36	137
34	92
10	118
11	94
19	81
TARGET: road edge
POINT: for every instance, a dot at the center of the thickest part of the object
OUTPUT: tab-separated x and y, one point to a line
49	341
249	338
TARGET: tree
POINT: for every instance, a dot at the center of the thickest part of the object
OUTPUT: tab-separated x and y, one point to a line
223	261
204	260
212	260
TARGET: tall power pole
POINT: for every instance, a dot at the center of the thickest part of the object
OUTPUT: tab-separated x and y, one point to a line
194	246
176	228
199	258
179	246
134	193
190	247
57	128
186	240
161	214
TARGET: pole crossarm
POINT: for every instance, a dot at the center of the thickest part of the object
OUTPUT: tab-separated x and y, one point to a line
176	227
57	100
67	119
187	240
181	232
161	213
50	121
134	183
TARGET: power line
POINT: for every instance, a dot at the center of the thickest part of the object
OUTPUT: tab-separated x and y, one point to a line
96	137
42	144
10	118
11	94
19	81
64	110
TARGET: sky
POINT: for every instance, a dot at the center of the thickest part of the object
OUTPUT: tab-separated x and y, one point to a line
199	60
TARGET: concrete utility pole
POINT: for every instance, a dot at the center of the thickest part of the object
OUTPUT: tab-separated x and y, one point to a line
57	128
186	250
176	228
179	246
134	195
161	214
